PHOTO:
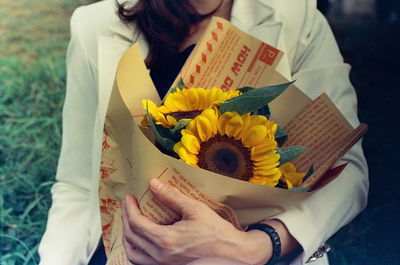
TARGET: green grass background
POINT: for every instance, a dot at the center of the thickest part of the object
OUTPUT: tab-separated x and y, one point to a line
33	40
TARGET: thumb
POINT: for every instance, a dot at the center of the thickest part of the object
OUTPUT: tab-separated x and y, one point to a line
171	197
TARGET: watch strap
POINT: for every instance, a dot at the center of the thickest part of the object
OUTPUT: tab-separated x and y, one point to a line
275	239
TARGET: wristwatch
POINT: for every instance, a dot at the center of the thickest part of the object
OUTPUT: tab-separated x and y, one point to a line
275	239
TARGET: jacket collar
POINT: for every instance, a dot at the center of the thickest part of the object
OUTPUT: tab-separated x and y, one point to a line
248	14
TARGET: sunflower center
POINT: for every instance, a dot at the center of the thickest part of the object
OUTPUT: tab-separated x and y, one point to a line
227	156
179	115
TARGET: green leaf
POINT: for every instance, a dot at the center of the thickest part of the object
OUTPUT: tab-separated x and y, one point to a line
176	131
289	153
172	90
310	171
280	136
302	189
245	89
165	142
253	99
181	83
264	111
164	132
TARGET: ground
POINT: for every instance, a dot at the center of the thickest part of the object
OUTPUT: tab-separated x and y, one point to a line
33	41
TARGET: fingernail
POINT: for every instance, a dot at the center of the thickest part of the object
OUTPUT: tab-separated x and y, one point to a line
155	184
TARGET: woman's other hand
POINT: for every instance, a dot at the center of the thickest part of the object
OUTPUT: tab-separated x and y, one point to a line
200	233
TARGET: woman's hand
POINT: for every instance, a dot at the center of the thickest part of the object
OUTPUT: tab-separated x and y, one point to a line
200	233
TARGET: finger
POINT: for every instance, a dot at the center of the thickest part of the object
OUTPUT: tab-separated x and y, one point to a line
137	231
171	197
138	222
137	256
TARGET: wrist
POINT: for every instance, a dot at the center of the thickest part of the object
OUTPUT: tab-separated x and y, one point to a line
262	246
254	247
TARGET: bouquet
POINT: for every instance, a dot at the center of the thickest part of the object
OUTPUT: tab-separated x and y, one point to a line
230	123
226	132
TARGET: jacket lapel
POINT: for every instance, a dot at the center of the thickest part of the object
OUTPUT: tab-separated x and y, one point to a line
110	51
257	18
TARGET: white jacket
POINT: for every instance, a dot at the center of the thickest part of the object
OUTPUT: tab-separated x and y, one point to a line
99	38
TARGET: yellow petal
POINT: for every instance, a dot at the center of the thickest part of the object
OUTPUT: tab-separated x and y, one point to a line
162	120
176	102
192	98
185	132
253	121
288	183
266	164
296	178
266	172
234	93
202	98
271	127
212	116
171	120
263	147
234	126
258	120
265	157
223	120
184	155
163	109
150	104
204	129
190	143
192	159
263	181
290	173
177	147
275	176
255	136
287	168
246	125
212	94
220	96
192	128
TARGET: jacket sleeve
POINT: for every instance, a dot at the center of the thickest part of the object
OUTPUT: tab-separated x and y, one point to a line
318	67
67	230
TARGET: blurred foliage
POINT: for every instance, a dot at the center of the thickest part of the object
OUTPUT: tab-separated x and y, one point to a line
30	110
35	29
33	42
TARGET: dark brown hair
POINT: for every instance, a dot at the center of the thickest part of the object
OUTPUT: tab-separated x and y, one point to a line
164	23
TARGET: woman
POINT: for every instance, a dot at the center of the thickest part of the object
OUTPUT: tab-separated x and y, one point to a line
98	39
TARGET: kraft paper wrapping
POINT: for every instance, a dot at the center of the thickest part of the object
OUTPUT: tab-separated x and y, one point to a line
130	160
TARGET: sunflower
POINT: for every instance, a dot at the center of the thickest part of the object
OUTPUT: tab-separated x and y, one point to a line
234	145
186	103
290	176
